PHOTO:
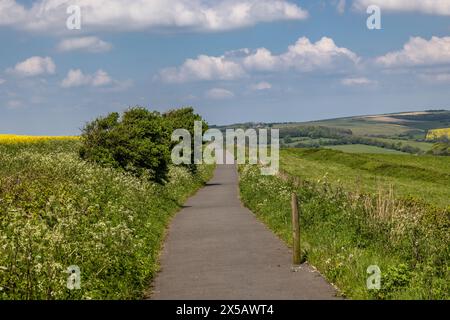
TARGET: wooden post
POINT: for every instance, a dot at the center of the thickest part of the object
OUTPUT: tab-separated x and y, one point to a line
295	230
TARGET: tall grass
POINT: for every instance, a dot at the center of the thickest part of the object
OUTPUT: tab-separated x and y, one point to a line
57	211
343	233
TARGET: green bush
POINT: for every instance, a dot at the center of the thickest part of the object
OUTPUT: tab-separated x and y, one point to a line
440	149
138	142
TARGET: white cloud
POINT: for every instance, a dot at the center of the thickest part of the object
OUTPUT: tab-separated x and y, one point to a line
219	94
34	66
50	15
419	52
261	86
324	54
262	60
436	7
11	12
2	81
357	81
340	6
101	78
203	68
76	78
303	56
89	44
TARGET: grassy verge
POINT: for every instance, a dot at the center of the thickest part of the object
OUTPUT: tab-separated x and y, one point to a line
57	211
344	233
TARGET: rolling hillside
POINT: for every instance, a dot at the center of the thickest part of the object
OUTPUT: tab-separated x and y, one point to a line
406	132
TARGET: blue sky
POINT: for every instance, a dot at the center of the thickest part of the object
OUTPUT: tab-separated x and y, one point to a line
234	61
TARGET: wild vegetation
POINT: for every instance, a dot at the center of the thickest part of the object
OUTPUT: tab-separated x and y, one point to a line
346	230
440	149
437	134
58	210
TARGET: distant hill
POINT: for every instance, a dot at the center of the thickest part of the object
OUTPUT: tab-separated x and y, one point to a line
411	125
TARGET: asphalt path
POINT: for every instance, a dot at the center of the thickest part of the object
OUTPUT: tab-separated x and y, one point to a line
217	249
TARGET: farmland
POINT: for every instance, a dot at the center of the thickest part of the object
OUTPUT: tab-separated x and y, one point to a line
14	139
361	148
407	132
57	210
424	177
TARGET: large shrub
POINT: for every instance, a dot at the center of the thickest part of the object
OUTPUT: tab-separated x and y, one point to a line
138	142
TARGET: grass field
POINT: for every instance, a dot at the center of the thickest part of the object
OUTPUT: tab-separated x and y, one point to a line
57	211
362	148
350	221
424	146
361	127
424	177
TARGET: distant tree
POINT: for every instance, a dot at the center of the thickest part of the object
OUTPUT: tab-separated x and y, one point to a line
184	118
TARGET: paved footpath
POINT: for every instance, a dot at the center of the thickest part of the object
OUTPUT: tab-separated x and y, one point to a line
217	249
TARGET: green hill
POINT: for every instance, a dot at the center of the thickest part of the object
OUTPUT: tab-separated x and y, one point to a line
404	132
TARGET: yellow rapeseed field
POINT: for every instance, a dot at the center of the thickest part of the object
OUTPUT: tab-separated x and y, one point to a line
12	138
438	133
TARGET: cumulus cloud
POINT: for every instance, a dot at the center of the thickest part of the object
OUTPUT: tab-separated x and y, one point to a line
209	15
262	59
261	86
419	52
357	81
76	78
203	68
11	12
89	44
303	56
219	94
34	66
435	7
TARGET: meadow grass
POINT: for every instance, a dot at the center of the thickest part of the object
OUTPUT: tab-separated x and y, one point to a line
424	146
423	177
343	233
57	211
362	148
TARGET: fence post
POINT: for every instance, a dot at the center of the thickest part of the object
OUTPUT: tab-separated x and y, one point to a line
295	231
